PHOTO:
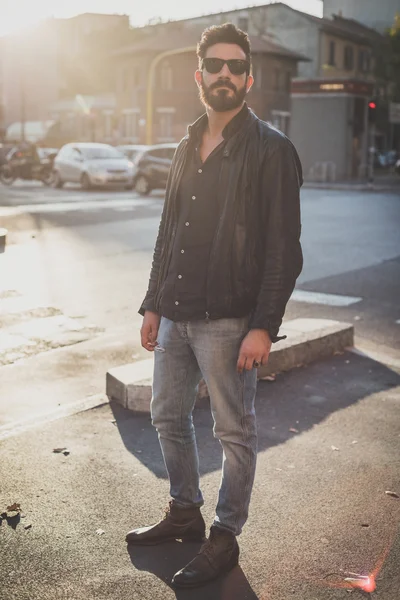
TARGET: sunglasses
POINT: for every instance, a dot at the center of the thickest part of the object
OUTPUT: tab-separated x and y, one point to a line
235	65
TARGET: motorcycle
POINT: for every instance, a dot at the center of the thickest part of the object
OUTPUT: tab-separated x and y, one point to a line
20	166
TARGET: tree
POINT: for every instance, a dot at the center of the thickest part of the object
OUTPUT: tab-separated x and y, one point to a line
388	61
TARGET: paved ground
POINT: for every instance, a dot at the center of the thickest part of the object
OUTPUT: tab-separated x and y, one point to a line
319	506
76	269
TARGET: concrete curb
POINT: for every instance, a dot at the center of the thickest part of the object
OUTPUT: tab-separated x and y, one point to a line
308	340
358	187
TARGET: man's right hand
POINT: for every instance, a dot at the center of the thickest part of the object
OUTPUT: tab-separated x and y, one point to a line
149	330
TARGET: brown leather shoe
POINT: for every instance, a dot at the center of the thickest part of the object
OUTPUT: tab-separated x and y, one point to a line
186	524
217	556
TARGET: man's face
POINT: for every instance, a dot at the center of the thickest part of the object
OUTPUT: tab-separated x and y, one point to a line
223	91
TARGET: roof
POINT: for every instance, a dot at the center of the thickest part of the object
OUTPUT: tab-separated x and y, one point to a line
340	26
358	27
163	40
81	16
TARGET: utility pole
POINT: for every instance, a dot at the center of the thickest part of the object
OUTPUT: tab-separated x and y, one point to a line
371	156
365	152
22	103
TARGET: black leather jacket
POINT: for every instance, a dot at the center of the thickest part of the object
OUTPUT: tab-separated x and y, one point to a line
256	254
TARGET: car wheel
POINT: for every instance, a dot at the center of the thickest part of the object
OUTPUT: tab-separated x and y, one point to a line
142	185
57	181
85	182
6	175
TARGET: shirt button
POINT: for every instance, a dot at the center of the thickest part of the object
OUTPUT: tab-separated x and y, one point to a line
176	302
200	171
179	276
187	223
193	197
182	252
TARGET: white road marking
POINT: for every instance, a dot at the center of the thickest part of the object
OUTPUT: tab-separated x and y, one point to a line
320	298
118	203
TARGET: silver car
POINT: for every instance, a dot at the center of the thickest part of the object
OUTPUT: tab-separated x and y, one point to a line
92	165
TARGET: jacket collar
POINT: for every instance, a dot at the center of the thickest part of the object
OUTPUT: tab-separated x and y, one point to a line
234	125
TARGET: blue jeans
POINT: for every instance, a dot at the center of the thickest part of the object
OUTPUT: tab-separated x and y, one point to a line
210	349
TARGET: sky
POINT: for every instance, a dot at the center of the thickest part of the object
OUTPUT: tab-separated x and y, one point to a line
24	13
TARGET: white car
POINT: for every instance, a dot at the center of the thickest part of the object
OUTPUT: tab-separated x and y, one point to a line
92	165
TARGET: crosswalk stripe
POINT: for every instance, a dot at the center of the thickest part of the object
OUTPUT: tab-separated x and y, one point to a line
9	211
321	298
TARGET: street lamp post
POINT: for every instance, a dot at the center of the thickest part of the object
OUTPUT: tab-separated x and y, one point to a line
150	85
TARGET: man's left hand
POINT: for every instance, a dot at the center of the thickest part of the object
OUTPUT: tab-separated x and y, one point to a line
255	347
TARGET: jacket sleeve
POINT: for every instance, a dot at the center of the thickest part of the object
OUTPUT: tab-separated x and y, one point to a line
149	300
283	260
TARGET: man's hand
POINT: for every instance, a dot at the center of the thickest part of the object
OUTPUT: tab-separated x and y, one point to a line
256	346
149	330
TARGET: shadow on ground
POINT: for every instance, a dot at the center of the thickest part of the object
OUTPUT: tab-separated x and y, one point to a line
297	400
165	560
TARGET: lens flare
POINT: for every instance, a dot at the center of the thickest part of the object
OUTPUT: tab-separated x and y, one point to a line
365	583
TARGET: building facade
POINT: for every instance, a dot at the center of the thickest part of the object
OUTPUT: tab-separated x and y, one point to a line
164	61
335	83
329	124
373	13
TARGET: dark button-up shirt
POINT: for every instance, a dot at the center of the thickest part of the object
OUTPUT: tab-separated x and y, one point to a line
185	289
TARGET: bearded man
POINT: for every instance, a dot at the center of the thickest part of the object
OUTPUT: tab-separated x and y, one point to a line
225	263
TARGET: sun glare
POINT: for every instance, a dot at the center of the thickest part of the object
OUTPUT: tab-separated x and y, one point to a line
22	14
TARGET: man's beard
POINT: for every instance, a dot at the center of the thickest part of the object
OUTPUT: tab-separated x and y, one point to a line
222	101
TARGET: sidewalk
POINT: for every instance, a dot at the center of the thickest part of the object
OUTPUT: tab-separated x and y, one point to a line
381	183
319	506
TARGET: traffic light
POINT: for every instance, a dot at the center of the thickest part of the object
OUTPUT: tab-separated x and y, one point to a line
372	110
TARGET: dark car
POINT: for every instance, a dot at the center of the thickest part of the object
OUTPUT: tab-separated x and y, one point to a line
151	167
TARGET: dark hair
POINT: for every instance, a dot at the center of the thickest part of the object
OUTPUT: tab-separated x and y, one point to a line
227	33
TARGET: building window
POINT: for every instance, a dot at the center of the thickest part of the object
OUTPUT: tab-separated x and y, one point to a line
136	76
277	80
348	62
281	120
126	79
165	131
108	121
364	61
166	76
165	121
331	58
130	122
243	23
288	82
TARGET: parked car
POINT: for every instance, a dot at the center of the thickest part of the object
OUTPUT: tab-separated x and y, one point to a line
151	167
91	165
47	153
132	151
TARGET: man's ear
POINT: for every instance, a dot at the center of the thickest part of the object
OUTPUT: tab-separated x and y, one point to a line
197	76
249	83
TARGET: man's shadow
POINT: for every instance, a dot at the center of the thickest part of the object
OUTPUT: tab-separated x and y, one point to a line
166	559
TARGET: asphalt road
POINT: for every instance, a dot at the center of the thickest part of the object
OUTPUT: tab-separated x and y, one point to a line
91	254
